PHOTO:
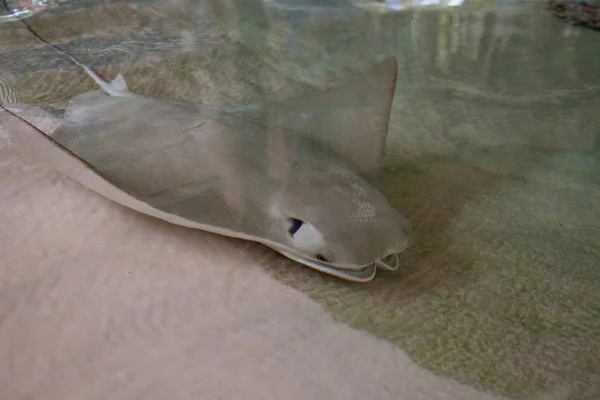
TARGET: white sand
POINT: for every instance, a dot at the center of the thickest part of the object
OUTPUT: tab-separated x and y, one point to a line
97	301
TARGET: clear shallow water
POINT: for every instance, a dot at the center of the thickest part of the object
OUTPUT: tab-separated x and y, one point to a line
493	154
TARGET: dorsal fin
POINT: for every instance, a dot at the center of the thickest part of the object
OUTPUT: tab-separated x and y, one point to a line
117	87
119	83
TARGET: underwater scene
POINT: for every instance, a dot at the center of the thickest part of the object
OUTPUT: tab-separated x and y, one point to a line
329	199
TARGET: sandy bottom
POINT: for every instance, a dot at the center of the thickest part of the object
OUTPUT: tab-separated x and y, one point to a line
97	301
493	154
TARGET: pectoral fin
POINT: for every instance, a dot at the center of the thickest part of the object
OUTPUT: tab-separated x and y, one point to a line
352	119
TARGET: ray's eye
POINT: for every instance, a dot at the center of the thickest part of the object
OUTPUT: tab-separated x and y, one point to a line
295	225
321	257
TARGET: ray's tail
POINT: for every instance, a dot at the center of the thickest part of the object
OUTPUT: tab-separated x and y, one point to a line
41	39
117	87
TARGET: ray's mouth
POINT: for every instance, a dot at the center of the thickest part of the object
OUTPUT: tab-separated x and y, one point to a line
390	262
355	273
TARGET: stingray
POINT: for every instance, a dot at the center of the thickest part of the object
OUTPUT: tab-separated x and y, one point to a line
299	176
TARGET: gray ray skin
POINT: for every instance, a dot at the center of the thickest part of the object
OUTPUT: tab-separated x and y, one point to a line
297	176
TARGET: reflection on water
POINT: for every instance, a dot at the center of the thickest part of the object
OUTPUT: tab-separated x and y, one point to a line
493	154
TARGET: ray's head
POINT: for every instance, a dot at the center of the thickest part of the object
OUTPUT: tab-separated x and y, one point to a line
328	210
332	215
